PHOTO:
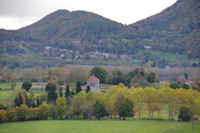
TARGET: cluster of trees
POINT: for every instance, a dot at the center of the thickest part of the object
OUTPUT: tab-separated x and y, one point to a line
118	101
61	75
137	77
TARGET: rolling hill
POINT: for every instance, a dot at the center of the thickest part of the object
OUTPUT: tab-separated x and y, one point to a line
174	30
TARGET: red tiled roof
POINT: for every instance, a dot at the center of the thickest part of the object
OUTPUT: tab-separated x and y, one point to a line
93	78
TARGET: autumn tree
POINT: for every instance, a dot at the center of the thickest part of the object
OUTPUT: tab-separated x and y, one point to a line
87	110
21	98
61	107
137	96
196	85
76	103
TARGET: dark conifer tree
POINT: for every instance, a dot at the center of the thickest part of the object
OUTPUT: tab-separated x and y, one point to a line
88	89
78	87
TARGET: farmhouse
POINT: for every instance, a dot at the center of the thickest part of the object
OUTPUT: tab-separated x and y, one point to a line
93	82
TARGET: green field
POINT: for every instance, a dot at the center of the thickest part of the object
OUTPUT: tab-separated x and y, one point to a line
5	85
8	96
102	126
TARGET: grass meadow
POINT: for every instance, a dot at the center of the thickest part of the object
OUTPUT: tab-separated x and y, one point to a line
102	126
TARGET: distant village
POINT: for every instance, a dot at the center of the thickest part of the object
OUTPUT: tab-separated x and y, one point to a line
69	54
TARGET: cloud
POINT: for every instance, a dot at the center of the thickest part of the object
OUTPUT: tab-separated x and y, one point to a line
124	11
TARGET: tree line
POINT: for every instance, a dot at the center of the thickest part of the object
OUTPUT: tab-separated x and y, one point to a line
118	101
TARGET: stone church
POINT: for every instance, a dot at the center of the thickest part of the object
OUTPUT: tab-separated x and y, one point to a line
93	82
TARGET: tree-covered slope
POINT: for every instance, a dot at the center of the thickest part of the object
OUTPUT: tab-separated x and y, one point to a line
176	29
62	25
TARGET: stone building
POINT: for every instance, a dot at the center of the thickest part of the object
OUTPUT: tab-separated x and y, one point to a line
93	82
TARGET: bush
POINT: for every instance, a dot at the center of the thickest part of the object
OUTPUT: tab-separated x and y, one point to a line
175	85
22	112
52	111
2	106
61	107
185	86
35	114
184	114
44	110
3	117
11	115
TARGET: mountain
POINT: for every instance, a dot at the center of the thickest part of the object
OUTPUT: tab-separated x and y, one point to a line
176	30
63	24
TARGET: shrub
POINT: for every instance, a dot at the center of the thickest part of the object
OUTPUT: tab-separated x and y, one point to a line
185	86
2	106
3	117
11	115
44	110
175	85
184	114
52	111
22	112
35	113
61	107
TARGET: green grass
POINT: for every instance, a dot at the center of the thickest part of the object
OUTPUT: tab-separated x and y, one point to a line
8	96
94	126
186	128
169	56
6	85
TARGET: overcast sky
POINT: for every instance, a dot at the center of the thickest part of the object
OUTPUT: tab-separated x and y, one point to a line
15	14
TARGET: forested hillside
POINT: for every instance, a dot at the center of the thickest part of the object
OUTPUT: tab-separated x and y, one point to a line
176	29
167	37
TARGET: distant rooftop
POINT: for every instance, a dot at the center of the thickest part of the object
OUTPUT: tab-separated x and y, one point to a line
93	78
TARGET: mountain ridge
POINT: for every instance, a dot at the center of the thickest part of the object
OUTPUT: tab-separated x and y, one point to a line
174	30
